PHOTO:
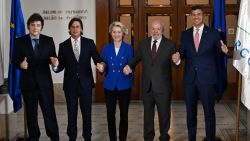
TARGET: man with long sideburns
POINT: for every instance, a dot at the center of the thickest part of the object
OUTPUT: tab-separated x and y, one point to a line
74	58
31	55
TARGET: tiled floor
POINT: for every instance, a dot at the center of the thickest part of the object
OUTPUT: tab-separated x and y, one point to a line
225	118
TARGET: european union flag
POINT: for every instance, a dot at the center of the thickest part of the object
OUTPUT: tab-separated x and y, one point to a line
219	23
17	29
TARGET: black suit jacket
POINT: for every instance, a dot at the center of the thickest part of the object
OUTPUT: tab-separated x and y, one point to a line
74	70
156	74
38	72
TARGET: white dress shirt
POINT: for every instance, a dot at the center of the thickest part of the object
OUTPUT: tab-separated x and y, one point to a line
157	43
78	43
200	31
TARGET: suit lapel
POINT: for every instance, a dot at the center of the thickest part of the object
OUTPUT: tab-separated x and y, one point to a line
203	37
112	49
29	46
161	46
148	46
69	47
82	48
121	50
191	35
41	45
113	53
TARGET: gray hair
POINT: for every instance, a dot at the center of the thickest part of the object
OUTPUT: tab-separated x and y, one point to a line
118	24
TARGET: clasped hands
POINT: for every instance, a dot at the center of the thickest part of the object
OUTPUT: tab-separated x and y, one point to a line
99	66
127	70
175	57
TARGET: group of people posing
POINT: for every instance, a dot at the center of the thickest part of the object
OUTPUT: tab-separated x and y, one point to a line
34	53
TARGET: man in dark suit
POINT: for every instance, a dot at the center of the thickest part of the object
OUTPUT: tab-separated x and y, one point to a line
74	57
32	54
155	53
199	45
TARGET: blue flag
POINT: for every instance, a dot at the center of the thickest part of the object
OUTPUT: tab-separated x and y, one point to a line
17	29
219	23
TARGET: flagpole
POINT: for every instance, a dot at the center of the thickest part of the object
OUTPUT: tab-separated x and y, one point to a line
237	135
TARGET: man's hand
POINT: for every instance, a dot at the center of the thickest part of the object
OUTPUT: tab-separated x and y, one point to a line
127	70
224	47
24	64
176	57
54	61
100	67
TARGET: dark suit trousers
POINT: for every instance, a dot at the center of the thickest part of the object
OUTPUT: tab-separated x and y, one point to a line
84	95
163	103
46	100
206	94
123	97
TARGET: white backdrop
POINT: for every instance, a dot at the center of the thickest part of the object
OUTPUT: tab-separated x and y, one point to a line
57	14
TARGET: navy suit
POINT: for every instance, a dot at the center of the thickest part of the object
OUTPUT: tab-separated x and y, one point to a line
200	78
36	84
78	83
117	86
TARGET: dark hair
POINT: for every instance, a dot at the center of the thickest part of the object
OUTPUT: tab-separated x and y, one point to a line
35	17
196	7
72	21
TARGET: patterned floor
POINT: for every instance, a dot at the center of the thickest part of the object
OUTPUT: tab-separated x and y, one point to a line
225	118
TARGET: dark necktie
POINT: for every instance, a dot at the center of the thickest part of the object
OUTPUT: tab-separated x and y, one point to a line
36	46
153	51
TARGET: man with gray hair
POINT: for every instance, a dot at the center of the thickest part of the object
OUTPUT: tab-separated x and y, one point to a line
155	53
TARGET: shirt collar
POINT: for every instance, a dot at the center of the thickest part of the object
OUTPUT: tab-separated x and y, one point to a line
158	40
34	37
73	40
200	28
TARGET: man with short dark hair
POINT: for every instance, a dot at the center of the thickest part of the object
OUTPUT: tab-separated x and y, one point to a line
74	57
199	45
31	55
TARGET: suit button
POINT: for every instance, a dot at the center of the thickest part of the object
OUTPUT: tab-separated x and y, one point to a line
119	71
122	57
196	68
113	70
112	64
120	64
111	58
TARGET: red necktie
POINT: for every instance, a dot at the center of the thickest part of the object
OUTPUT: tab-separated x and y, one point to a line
197	39
153	52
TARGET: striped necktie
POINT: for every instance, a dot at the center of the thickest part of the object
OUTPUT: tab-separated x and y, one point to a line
76	50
